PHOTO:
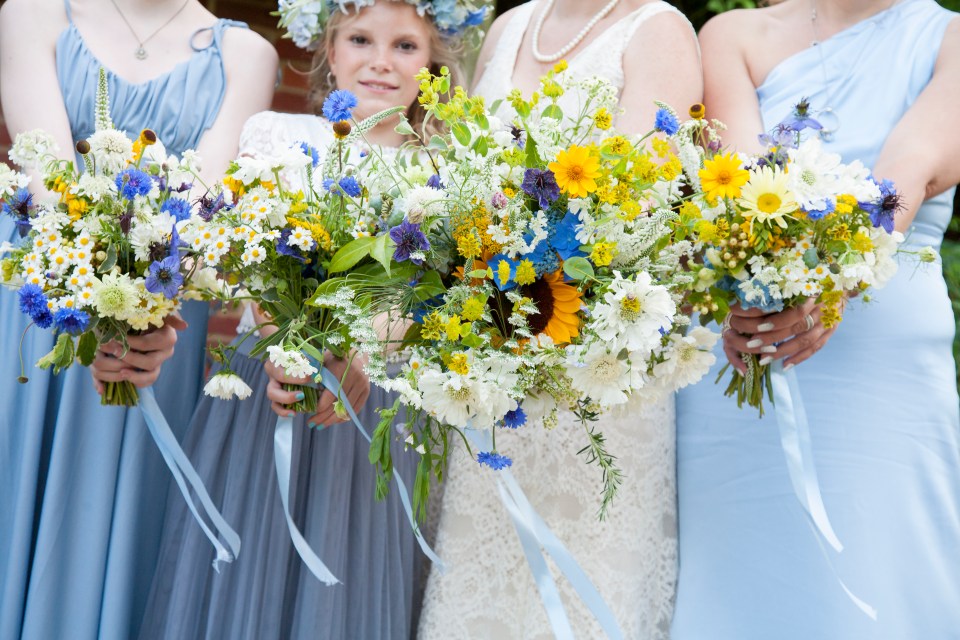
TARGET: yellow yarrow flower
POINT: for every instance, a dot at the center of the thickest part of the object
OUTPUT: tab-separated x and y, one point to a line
629	210
560	67
617	145
452	328
690	211
661	147
645	169
526	273
671	169
602	253
845	204
602	119
576	171
722	177
468	246
458	364
433	326
861	242
473	309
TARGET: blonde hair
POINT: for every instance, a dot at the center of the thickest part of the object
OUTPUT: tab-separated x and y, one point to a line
444	52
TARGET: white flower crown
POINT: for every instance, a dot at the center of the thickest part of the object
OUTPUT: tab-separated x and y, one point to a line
305	20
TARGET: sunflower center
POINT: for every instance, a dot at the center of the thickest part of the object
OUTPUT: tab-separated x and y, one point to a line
630	308
768	202
606	369
542	297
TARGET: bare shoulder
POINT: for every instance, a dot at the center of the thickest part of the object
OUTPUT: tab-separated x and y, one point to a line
949	56
733	28
667	28
32	19
246	46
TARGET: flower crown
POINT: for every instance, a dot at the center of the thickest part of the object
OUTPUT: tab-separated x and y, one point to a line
305	20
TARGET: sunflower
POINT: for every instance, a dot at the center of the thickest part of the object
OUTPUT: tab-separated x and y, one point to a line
558	305
766	198
722	177
575	171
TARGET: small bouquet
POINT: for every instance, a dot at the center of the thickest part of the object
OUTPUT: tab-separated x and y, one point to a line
105	259
546	275
280	227
793	224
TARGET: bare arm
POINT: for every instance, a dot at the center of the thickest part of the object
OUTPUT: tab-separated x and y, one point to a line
660	63
31	96
250	63
922	153
729	91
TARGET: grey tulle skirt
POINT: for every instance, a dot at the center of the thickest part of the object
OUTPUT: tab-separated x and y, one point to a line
267	592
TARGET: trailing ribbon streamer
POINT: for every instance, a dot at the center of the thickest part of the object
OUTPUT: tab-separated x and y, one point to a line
534	534
184	473
282	455
798	450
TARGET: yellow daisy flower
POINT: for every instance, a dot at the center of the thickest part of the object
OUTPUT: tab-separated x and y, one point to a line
722	177
576	170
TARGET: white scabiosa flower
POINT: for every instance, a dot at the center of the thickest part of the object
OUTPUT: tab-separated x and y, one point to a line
598	373
812	174
688	358
115	296
449	397
633	312
110	149
421	202
31	148
94	187
293	363
225	384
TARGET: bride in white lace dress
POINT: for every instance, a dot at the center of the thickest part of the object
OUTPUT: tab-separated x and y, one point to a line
648	50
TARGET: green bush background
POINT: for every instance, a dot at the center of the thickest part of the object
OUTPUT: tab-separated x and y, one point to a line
700	12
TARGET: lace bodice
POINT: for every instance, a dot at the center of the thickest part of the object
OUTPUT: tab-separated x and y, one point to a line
488	590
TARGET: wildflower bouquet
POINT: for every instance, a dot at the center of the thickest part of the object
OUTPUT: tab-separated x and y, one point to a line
104	260
793	224
281	226
547	277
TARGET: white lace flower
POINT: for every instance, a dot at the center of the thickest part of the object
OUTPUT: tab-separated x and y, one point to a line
11	180
225	384
94	187
294	363
30	149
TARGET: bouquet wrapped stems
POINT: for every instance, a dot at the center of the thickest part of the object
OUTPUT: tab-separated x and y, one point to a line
120	394
752	386
310	398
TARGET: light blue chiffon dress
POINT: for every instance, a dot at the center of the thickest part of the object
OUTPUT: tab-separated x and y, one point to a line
881	398
84	487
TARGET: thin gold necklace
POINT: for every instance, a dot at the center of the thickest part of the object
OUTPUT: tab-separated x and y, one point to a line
141	52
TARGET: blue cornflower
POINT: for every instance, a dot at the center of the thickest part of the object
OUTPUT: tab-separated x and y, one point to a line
329	184
514	419
475	18
285	249
817	214
494	460
177	207
72	321
434	182
563	236
542	185
504	271
210	206
338	105
885	208
666	122
409	239
311	151
132	182
18	206
350	186
32	300
164	276
801	118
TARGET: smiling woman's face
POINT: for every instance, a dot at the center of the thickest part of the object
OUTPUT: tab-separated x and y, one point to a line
376	54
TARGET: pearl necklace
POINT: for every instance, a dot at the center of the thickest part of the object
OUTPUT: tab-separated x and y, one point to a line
540	57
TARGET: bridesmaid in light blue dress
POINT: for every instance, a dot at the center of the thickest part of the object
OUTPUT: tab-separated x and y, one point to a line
880	394
84	486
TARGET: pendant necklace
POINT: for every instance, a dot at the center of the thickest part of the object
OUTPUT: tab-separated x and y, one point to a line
141	52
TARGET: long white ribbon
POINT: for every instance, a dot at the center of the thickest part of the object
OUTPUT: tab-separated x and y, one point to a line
184	474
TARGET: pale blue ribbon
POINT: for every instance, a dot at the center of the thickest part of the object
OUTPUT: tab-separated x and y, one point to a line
184	473
283	454
536	537
798	450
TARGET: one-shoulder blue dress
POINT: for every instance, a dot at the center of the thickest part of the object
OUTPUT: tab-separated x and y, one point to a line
881	398
84	487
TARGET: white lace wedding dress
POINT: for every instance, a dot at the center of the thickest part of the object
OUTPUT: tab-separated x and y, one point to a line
631	557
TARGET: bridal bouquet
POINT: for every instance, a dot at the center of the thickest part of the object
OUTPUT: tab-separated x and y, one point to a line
105	259
546	275
793	224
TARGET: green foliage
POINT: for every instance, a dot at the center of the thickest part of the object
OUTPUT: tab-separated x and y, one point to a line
950	252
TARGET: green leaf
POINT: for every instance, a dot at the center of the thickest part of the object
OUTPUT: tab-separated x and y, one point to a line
533	154
404	128
461	133
61	356
382	251
578	268
430	285
87	348
350	254
270	295
553	111
471	340
482	122
480	273
481	146
110	261
436	142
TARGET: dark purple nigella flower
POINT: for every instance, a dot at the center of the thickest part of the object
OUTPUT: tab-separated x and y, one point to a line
542	185
72	321
518	137
126	219
434	182
164	276
494	460
514	419
885	208
781	136
285	249
132	182
210	206
409	239
801	118
18	206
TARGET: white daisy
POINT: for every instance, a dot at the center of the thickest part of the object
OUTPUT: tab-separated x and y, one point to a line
633	312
